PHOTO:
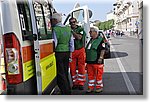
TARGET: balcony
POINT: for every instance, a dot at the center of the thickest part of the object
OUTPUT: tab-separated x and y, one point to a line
133	15
117	4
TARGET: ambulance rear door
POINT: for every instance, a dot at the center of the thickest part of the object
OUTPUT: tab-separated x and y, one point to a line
45	62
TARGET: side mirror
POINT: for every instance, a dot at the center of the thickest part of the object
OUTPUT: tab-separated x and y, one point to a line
90	13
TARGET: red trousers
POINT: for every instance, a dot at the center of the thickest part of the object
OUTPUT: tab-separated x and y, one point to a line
78	59
95	72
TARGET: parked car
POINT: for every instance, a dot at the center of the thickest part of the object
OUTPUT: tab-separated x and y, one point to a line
107	45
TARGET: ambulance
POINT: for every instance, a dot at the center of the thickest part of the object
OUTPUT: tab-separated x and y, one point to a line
29	55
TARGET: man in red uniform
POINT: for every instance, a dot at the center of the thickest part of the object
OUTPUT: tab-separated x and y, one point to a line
78	56
95	50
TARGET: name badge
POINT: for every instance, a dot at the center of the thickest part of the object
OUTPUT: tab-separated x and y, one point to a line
89	47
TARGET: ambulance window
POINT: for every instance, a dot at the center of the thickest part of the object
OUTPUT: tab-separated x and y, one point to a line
39	20
42	13
47	15
25	20
79	15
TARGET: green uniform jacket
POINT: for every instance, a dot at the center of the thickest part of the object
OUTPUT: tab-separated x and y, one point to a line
93	50
63	35
79	43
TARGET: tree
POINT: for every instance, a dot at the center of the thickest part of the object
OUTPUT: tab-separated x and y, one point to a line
111	24
106	25
102	26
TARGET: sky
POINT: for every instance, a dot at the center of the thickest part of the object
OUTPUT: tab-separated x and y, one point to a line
99	7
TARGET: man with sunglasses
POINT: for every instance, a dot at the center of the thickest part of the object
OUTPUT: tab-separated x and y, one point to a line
78	56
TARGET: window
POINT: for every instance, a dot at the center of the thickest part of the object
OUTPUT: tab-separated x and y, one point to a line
25	20
42	13
79	15
47	15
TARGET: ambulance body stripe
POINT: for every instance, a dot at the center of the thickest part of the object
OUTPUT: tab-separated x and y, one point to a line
27	54
45	50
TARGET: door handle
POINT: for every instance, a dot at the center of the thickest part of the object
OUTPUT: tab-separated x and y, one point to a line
34	37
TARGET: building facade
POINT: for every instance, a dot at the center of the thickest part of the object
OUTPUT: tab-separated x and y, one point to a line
110	15
128	16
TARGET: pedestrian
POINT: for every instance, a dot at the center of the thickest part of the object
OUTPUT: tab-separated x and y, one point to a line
121	33
95	50
78	56
64	46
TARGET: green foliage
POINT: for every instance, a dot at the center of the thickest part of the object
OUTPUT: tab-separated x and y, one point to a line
102	26
106	25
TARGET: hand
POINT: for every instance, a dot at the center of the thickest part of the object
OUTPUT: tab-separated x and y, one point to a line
70	59
100	60
72	31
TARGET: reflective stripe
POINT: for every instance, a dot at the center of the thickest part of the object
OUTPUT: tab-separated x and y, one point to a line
91	84
99	82
81	75
74	80
101	85
81	79
74	76
98	85
91	81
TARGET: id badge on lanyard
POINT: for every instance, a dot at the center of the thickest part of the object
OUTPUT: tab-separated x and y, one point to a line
89	47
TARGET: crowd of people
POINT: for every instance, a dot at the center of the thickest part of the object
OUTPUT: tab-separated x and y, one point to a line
70	52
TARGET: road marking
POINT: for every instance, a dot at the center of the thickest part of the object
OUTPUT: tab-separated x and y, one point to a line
124	74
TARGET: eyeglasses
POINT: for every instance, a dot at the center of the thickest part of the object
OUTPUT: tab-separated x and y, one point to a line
72	22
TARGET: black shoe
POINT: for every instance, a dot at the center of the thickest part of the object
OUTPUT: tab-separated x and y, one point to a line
89	90
74	87
99	90
81	87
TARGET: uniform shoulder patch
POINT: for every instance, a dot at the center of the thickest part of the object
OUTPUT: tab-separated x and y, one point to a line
103	44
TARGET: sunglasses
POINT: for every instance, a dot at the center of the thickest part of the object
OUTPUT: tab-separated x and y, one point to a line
72	22
91	31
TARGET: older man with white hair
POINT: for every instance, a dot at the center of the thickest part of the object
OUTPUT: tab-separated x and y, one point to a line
95	50
64	46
